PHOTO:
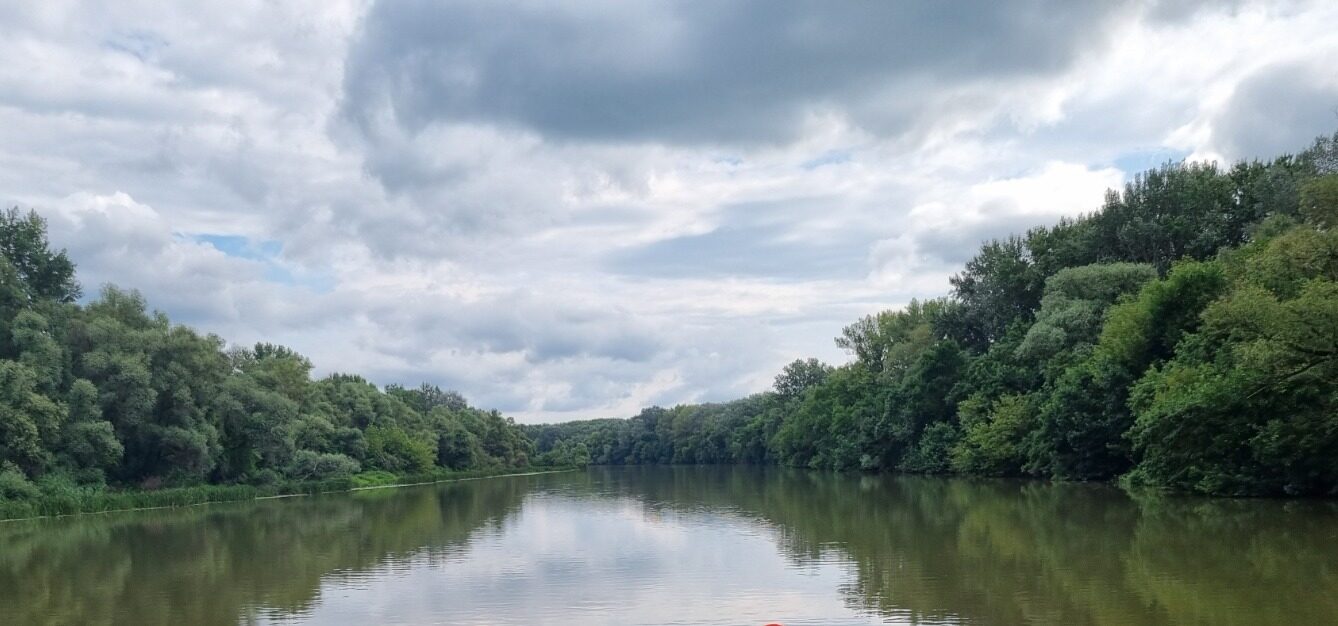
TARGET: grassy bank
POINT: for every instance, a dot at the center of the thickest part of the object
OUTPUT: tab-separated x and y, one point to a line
72	500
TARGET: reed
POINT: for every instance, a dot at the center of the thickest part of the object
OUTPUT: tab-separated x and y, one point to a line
69	499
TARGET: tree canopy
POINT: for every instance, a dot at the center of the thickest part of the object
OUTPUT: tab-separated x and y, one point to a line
109	392
1182	336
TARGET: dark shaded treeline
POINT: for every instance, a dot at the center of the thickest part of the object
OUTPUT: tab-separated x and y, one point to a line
1183	336
110	393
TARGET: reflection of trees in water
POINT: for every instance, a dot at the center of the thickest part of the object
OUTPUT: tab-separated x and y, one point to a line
218	563
1273	562
990	552
1010	552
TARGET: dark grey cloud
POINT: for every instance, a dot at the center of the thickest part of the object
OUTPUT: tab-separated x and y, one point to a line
1280	109
677	72
463	192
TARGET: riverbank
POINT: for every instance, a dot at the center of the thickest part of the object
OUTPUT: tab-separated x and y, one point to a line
82	500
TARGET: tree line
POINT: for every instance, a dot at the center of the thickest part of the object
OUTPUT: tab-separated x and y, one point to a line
110	393
1183	336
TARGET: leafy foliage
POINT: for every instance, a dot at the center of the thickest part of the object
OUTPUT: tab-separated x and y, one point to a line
1182	336
111	394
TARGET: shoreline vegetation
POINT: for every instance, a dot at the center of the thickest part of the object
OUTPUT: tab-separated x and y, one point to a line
90	501
1182	337
105	404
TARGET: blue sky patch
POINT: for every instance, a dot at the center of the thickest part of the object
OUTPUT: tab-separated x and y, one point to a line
140	44
831	157
1142	160
265	252
241	247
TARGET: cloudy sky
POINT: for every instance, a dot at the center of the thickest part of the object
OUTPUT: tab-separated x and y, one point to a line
577	208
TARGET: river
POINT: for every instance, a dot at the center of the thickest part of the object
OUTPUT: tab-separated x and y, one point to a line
685	545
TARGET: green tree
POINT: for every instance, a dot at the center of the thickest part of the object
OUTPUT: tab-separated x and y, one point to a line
392	449
1248	404
275	368
994	435
1085	416
1074	306
799	376
89	446
428	397
998	286
42	274
1178	210
24	416
311	465
457	448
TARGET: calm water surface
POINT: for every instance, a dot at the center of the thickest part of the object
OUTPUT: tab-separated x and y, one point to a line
685	546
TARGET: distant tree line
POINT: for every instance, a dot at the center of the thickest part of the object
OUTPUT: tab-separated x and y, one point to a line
1183	336
111	393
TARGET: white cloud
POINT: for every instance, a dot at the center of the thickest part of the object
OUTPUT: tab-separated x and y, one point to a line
610	240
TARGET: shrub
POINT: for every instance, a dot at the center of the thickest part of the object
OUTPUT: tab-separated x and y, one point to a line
14	485
309	465
393	450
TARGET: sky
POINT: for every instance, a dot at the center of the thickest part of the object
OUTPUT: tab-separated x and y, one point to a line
571	209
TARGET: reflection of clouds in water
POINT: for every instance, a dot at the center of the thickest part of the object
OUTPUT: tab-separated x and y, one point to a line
564	560
686	545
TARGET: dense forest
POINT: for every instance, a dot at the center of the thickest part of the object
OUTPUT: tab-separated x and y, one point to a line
109	393
1184	336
